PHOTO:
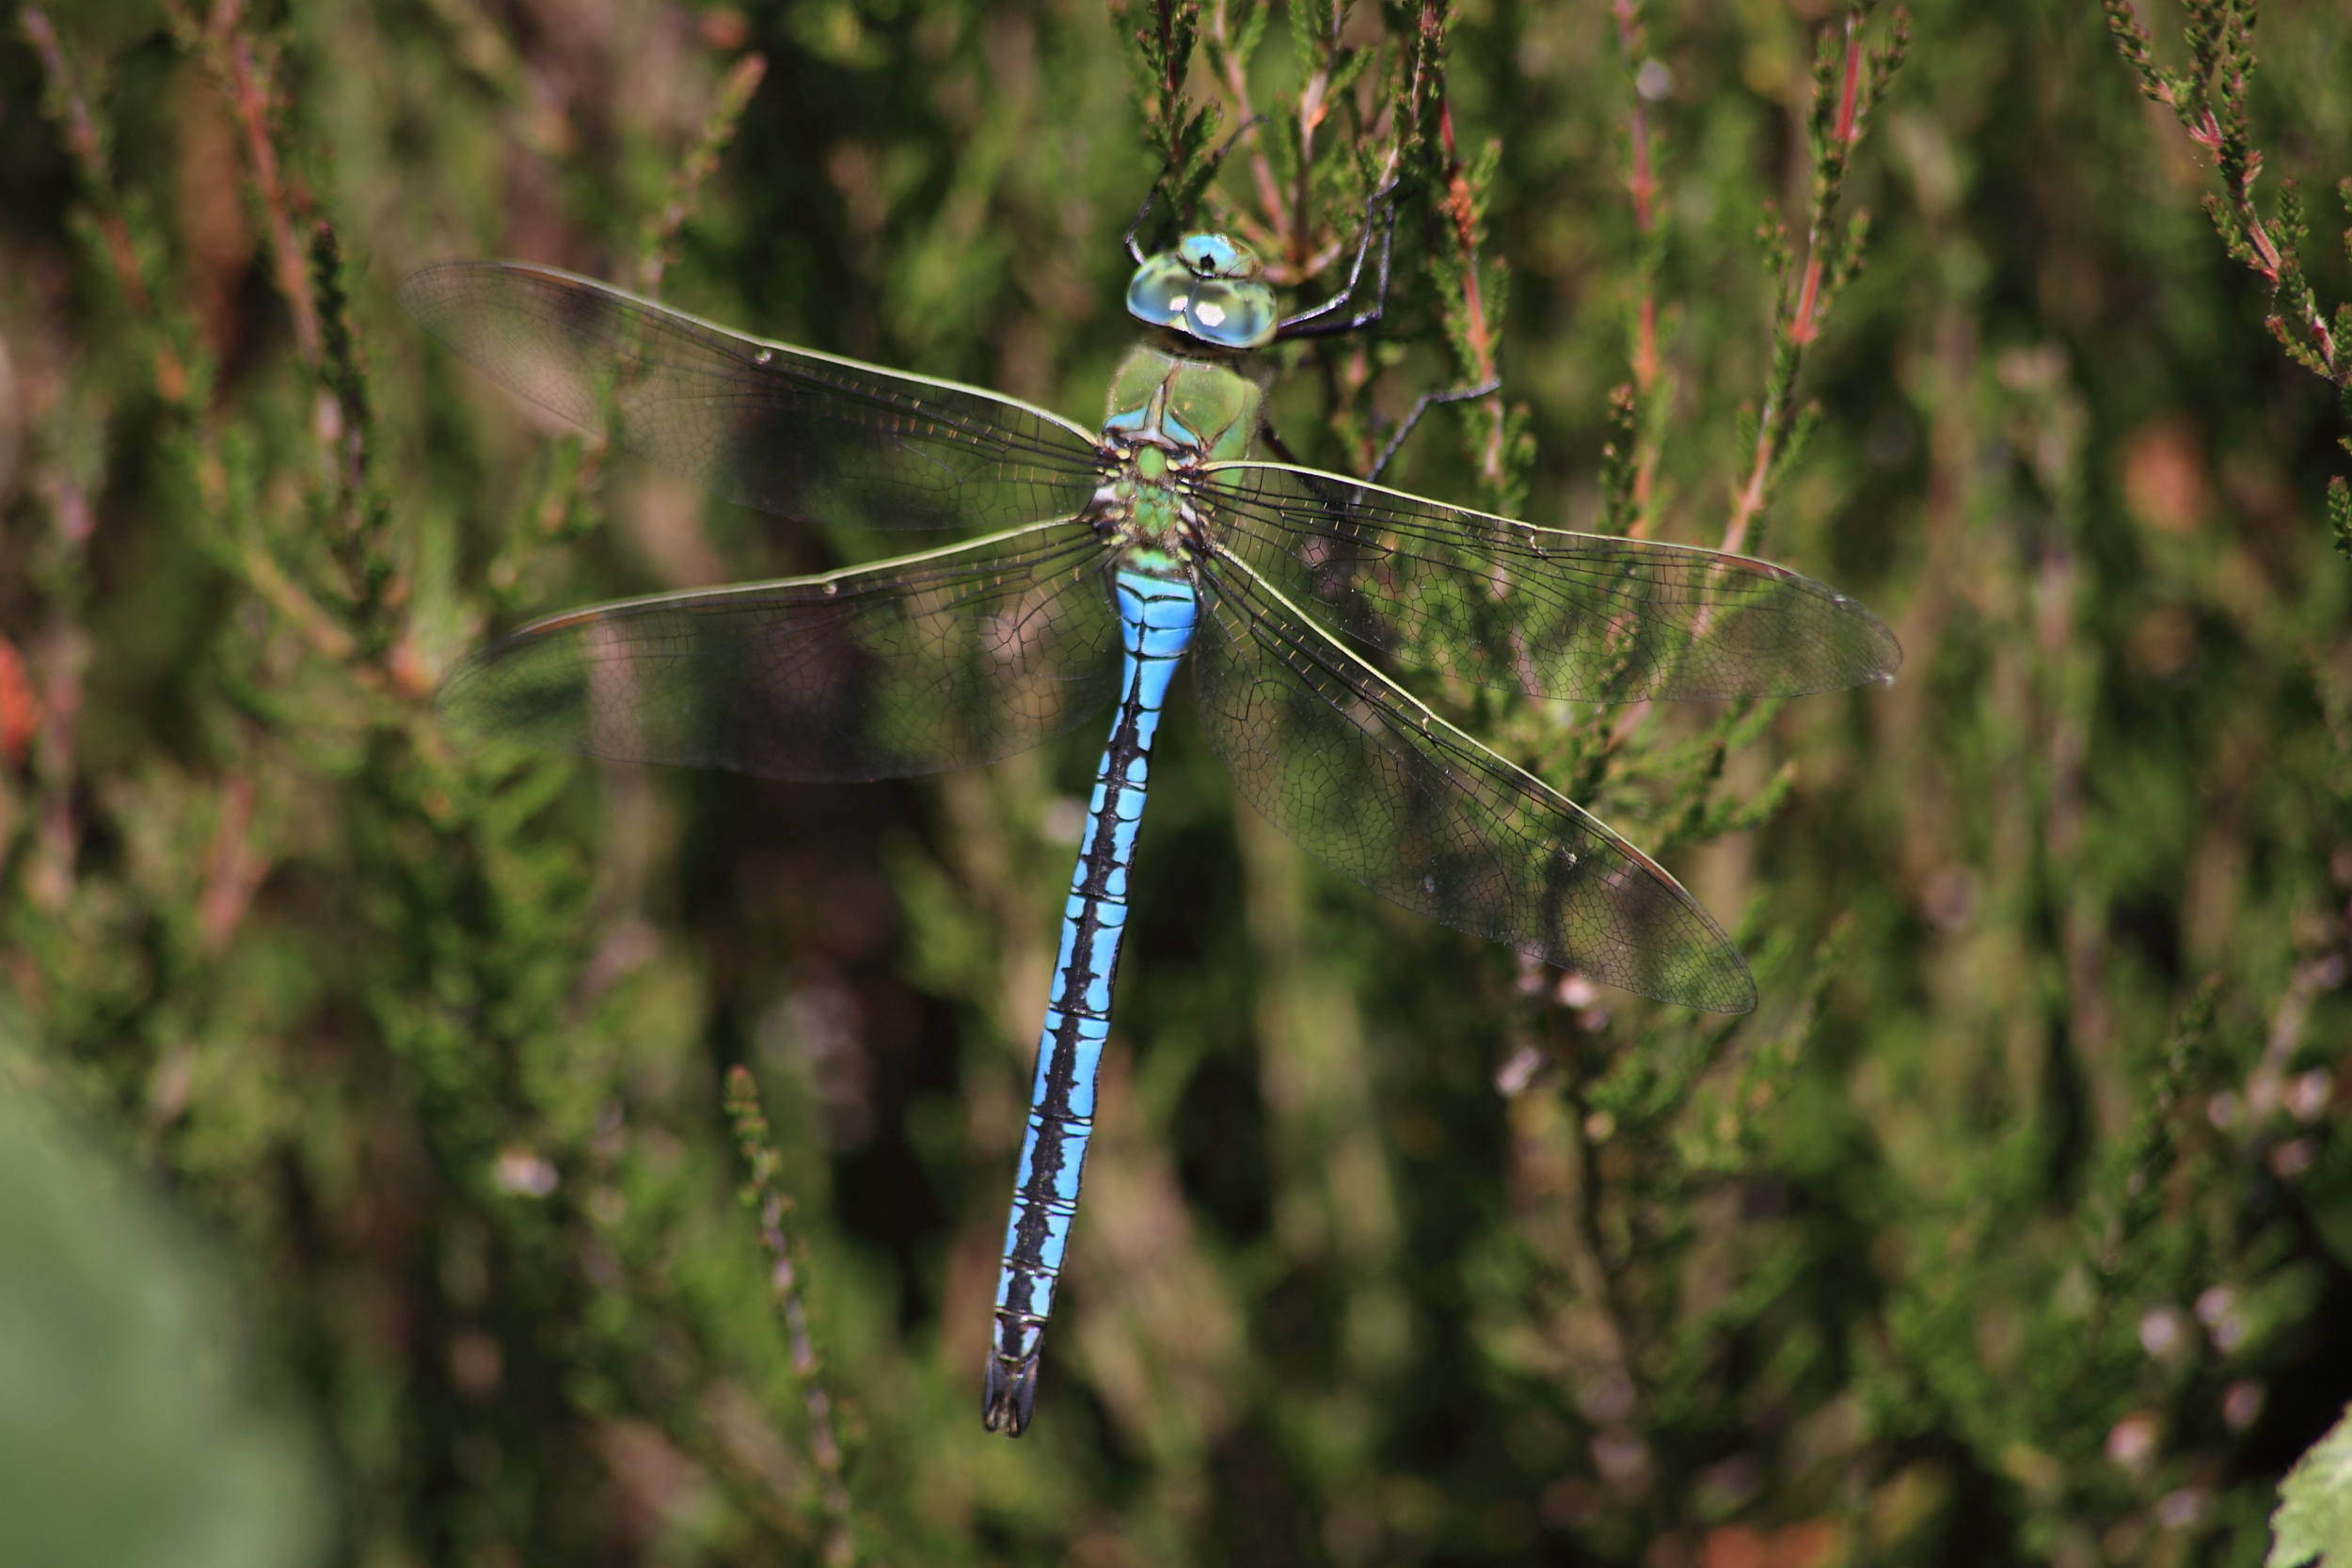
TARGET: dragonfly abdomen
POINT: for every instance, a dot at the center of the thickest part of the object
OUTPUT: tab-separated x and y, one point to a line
1157	615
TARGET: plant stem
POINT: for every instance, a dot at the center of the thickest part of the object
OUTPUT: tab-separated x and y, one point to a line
761	1194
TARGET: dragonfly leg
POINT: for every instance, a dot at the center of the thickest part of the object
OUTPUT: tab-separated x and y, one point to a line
1428	401
1275	443
1319	322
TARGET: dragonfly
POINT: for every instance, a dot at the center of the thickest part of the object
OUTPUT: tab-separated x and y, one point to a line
1104	558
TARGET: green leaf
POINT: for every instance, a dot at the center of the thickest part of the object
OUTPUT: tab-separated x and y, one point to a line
129	1433
2313	1522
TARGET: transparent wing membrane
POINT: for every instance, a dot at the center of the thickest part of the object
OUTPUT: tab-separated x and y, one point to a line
1298	582
913	666
1369	782
1505	604
792	432
963	654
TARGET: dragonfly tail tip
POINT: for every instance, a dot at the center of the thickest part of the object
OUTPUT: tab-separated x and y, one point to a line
1010	1396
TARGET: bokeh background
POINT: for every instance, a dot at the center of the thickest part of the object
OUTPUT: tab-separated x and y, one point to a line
2014	1226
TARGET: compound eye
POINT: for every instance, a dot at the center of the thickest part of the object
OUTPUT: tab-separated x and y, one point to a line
1159	290
1218	256
1233	315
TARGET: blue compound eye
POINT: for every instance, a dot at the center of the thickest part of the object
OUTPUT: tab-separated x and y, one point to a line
1160	291
1233	315
1218	256
1206	288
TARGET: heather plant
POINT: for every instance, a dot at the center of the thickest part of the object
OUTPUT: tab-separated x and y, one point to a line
610	1161
2210	98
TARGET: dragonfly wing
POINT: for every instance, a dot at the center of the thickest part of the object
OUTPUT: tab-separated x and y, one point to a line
912	666
1371	783
1506	604
787	429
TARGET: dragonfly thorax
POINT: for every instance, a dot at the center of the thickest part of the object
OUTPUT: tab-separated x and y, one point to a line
1180	403
1169	418
1147	500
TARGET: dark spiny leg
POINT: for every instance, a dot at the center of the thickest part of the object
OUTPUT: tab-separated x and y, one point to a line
1429	401
1310	324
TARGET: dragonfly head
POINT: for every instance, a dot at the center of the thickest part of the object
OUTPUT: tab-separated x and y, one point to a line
1209	288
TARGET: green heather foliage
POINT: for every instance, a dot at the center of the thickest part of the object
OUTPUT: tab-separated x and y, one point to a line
2014	1226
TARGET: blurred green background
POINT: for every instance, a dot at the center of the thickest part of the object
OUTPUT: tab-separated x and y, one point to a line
2014	1227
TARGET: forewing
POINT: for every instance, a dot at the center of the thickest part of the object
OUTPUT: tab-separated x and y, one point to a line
913	666
1505	604
787	429
1379	788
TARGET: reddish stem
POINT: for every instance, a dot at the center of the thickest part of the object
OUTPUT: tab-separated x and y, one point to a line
1641	186
1460	207
20	710
65	654
81	135
1260	171
1803	328
1751	497
1849	96
232	870
249	96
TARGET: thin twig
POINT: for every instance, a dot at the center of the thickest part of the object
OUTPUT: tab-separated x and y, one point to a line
236	547
1632	461
761	1194
232	870
2209	102
1234	79
251	98
2264	1087
70	109
657	252
1796	331
65	654
1641	184
1830	257
1474	333
556	511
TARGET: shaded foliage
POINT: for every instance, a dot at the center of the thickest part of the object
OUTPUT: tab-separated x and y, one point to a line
2012	1225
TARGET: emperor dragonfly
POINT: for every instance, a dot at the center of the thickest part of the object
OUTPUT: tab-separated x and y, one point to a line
1111	555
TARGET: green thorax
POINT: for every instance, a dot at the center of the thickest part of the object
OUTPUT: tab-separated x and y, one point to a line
1203	405
1169	415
